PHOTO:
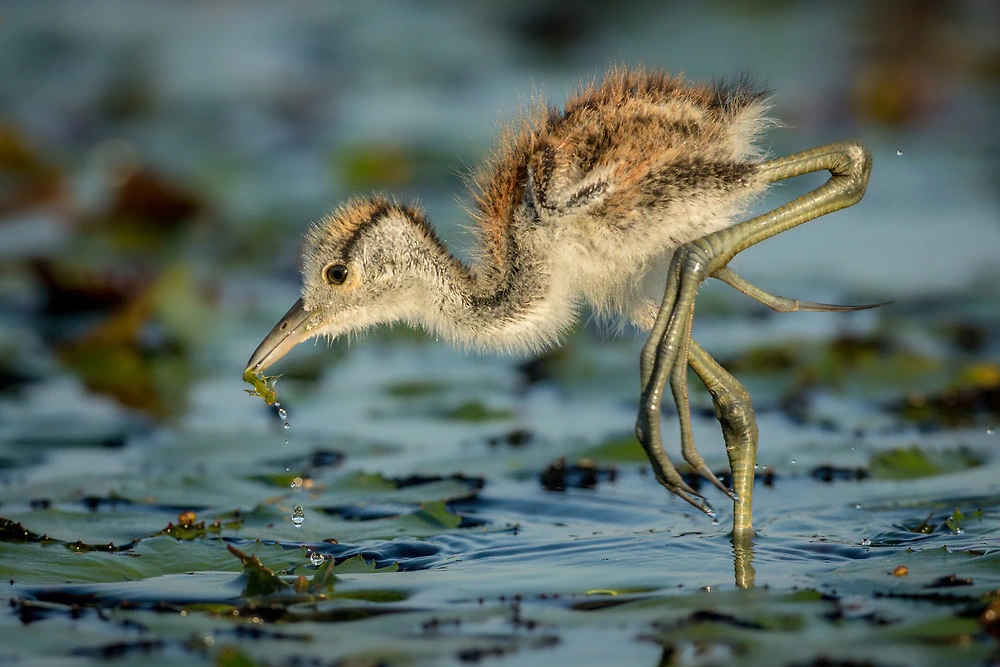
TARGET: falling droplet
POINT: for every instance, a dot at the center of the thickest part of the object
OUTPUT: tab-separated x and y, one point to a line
287	425
298	516
866	543
899	153
793	460
316	558
296	483
283	413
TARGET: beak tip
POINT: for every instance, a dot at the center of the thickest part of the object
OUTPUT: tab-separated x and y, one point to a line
287	333
256	365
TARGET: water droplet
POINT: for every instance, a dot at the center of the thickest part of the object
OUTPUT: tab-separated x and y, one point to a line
959	530
286	442
316	558
793	460
296	483
866	543
283	413
989	431
900	153
287	425
298	516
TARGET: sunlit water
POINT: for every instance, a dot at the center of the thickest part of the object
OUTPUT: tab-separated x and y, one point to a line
424	473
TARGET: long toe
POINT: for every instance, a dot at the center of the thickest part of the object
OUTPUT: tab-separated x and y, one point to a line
676	484
695	499
836	307
710	476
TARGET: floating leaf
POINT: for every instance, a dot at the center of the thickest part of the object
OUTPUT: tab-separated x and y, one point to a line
260	580
190	531
958	517
415	388
914	462
323	579
11	531
436	514
475	411
624	449
358	565
230	656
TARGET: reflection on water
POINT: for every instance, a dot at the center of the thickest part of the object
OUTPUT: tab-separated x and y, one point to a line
150	222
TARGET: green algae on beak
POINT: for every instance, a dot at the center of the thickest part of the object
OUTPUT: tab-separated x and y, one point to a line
263	385
285	335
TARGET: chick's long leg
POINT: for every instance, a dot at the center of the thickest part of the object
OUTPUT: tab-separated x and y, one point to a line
647	427
734	411
667	342
849	164
678	386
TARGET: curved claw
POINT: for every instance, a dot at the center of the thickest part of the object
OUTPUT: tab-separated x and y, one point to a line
682	490
678	486
836	308
696	500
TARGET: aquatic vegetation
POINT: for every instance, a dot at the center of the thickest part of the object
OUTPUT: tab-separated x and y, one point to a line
147	231
914	462
475	411
263	385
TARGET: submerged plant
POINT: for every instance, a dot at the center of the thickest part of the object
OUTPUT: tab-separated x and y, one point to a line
263	385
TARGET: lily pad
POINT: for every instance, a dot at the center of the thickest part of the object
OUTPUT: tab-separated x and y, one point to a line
624	449
914	462
475	411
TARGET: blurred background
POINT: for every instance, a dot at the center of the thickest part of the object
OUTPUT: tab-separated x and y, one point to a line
160	161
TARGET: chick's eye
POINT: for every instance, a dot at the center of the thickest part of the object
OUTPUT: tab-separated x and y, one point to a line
335	274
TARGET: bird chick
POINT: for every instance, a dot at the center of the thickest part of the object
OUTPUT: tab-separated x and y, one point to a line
631	188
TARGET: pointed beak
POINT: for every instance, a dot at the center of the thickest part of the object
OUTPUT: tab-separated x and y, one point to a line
286	334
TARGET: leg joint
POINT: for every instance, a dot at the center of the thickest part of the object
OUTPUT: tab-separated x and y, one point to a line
695	258
734	409
855	167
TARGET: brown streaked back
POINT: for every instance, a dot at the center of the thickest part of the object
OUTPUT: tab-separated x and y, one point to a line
652	134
